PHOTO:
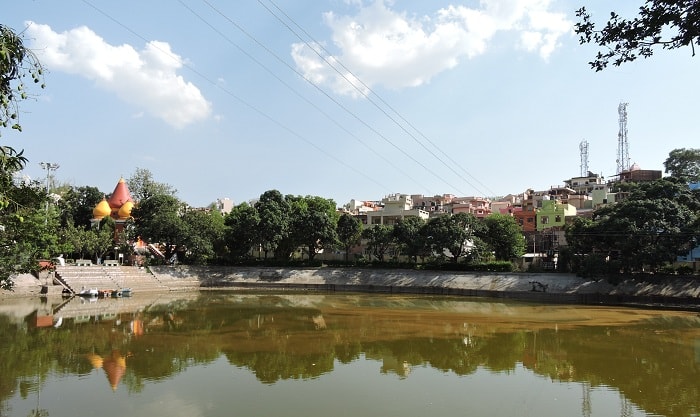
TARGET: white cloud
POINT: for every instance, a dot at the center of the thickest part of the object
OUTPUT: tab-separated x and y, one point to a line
147	79
387	47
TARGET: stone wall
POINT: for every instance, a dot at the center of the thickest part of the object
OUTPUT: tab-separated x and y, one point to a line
564	288
667	292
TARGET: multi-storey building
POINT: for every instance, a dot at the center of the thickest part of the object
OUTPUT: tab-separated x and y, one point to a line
435	205
637	174
480	207
585	185
553	214
224	205
395	208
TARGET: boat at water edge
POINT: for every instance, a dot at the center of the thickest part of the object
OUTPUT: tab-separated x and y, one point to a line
88	292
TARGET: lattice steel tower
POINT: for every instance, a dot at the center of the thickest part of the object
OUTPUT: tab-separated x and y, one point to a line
583	147
623	156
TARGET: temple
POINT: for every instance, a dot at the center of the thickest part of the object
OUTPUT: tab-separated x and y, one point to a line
118	207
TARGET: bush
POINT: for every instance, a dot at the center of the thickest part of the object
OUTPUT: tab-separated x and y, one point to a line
667	270
685	270
593	266
494	266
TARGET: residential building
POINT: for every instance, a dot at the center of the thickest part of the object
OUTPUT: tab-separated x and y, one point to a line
435	204
637	174
480	207
553	214
356	207
585	185
395	208
224	205
502	207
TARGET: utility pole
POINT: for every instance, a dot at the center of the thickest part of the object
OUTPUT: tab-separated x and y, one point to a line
48	166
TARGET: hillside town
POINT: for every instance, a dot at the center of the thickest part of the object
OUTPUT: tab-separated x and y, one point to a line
541	214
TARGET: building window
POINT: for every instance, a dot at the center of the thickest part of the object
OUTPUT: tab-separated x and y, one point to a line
557	219
545	219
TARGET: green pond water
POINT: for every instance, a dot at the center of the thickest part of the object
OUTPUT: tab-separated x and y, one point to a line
309	354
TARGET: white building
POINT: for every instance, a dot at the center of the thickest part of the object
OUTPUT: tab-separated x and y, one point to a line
224	205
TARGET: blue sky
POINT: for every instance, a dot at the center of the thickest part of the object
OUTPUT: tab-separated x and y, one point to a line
229	99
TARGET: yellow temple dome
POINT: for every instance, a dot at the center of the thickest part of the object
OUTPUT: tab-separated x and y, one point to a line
125	210
102	209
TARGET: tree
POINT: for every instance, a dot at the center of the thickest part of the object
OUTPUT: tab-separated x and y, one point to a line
241	230
142	185
16	63
16	252
273	211
669	24
349	231
644	232
158	219
77	203
452	235
409	234
578	237
684	164
313	222
379	239
503	236
203	231
76	240
102	239
27	230
659	221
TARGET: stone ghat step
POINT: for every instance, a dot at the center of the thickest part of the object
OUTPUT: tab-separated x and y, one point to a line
105	308
99	277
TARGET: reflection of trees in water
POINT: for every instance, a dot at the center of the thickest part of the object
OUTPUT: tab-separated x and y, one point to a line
649	363
271	367
348	351
652	366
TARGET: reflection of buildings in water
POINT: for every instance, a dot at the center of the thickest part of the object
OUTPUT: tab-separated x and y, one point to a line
391	364
136	326
468	339
79	310
114	366
319	321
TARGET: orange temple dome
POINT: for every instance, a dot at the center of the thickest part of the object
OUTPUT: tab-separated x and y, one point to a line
118	206
119	196
102	210
125	210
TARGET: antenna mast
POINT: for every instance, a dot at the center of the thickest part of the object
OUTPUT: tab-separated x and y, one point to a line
583	147
623	157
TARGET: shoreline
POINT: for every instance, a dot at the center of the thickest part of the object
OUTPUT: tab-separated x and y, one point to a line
663	292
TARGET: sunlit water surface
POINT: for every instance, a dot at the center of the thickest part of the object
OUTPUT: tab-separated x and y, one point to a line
226	353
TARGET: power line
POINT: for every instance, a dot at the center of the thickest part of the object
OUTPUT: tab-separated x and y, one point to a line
363	91
237	98
295	92
335	101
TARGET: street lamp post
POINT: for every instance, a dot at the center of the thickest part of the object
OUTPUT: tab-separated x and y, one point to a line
48	166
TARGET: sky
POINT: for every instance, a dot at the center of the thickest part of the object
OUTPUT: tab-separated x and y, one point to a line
343	99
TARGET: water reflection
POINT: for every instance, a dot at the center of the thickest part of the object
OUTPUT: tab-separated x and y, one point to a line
650	359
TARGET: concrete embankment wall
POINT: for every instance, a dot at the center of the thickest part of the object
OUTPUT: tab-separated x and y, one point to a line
558	288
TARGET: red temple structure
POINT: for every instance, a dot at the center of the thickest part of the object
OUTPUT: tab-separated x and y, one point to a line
118	207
